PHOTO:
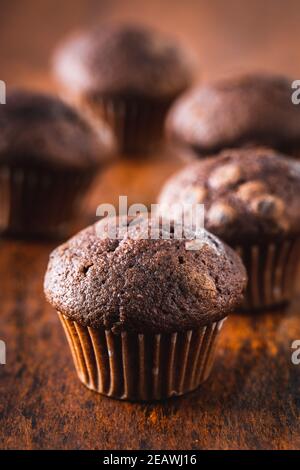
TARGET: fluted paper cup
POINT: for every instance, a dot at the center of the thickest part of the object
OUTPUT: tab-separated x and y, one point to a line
271	269
141	367
39	201
137	123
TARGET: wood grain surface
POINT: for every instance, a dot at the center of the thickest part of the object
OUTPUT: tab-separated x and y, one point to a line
252	399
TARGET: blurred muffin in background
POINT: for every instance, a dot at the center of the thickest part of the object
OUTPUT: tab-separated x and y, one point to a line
129	75
49	156
252	201
242	111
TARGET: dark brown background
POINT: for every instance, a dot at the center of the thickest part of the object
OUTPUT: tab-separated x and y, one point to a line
252	399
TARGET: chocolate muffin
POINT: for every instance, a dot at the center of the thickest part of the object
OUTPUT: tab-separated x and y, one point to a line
142	315
129	75
49	155
244	111
252	201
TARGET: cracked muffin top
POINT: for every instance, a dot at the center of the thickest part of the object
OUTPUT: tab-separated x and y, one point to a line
248	194
241	111
122	59
139	284
41	130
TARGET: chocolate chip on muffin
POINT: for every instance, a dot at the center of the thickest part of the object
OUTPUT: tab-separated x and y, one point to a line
246	191
252	201
247	110
221	213
141	293
127	74
224	176
268	206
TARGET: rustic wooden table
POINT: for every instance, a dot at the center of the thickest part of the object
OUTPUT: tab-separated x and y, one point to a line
252	399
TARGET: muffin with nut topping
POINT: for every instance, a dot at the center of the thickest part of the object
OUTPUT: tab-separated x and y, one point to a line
252	201
127	74
243	111
142	313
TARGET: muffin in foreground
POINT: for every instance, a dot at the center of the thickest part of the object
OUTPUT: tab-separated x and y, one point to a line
128	75
252	201
48	158
142	315
249	110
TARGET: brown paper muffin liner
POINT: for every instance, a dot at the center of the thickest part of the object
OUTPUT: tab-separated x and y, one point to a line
39	201
272	270
142	367
137	123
